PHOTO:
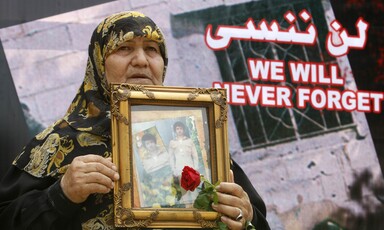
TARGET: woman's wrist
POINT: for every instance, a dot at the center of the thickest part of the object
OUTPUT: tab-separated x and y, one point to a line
60	202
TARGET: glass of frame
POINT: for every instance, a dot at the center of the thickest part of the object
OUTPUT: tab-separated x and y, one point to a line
156	131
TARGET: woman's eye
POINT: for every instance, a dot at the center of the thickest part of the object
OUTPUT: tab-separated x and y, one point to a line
152	49
125	48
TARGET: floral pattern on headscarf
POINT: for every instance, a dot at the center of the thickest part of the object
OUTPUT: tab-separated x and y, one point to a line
93	103
85	129
90	109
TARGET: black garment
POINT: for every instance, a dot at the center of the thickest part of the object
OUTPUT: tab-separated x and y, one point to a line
259	210
28	202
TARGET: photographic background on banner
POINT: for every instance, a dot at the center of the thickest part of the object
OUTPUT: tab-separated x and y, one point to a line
313	166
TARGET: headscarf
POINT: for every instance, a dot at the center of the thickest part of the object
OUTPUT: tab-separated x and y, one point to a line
87	121
86	127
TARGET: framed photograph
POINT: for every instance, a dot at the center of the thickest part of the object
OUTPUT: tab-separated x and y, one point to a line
156	132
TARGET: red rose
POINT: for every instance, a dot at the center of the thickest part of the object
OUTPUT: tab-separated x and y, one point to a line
190	178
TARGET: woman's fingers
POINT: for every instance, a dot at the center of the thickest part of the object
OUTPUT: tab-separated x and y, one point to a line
231	188
233	224
87	175
231	199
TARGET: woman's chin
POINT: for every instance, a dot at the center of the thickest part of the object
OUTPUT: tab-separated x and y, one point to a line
140	81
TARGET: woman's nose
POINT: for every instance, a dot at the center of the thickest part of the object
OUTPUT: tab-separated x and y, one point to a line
140	58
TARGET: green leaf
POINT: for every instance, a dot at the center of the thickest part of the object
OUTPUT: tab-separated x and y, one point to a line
203	202
217	183
206	196
328	225
221	225
207	185
215	198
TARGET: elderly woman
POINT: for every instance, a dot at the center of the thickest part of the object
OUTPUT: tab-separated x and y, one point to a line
63	178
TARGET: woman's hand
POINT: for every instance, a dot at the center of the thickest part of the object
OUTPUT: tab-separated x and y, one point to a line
86	175
233	201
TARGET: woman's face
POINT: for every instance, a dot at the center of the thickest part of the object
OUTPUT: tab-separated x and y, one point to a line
137	61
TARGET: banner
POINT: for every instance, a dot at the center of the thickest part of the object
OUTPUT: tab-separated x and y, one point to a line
304	82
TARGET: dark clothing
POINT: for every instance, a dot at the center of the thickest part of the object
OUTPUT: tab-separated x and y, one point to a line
28	202
259	210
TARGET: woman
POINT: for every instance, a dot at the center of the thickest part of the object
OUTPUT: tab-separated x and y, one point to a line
64	177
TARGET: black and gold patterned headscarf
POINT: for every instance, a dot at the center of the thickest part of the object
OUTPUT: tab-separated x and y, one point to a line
85	129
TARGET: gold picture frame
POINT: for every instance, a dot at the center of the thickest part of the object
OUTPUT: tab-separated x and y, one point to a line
140	113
